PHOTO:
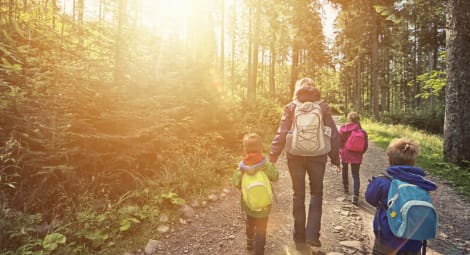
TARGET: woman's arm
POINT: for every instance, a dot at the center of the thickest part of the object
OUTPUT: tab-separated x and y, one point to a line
335	137
279	140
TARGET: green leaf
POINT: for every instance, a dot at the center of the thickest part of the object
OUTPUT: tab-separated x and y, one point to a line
125	225
178	201
127	222
134	220
51	241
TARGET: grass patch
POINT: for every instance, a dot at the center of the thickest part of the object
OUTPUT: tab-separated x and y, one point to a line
431	155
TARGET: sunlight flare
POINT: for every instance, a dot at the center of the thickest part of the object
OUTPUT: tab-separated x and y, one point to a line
168	18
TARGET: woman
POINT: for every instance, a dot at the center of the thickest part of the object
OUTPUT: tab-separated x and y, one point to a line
306	230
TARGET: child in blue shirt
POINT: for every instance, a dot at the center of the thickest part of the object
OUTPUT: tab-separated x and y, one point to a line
401	155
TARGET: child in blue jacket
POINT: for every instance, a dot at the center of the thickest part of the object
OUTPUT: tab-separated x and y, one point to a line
402	155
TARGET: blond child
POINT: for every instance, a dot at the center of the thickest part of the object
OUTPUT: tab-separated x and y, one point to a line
254	165
402	154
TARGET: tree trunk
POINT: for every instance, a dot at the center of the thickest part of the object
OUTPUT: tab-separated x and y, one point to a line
295	63
431	68
234	24
100	13
80	21
250	46
387	82
432	63
272	66
416	58
262	74
254	63
357	85
11	5
118	57
74	11
373	70
54	12
457	116
222	44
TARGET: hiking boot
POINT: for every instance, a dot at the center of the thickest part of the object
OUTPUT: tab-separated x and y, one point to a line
250	244
299	240
300	246
315	243
355	199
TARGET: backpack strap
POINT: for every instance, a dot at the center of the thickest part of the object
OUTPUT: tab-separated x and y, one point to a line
317	102
388	177
385	176
344	138
293	115
379	236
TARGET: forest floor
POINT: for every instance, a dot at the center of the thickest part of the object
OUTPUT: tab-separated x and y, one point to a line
219	228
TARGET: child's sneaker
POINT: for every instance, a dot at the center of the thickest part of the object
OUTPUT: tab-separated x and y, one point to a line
355	199
250	244
315	243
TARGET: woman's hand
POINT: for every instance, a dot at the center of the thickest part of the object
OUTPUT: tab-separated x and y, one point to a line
337	169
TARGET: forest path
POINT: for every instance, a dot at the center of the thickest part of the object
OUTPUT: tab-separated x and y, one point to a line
218	228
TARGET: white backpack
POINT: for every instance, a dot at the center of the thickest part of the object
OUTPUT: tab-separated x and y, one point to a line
309	136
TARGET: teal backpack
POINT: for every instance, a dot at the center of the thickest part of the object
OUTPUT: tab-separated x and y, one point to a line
410	212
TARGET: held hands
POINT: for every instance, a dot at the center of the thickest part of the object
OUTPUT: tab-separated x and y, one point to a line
337	169
272	158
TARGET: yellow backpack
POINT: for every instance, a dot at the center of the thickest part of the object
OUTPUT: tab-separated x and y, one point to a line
256	190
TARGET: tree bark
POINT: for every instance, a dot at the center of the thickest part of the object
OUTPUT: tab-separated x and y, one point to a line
80	21
272	66
373	71
357	85
100	13
295	63
234	24
250	46
254	63
54	12
11	5
118	57
222	44
457	115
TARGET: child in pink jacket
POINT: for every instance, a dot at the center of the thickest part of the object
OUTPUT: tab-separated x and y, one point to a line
354	143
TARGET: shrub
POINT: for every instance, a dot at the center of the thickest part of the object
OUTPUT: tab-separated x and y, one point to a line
427	120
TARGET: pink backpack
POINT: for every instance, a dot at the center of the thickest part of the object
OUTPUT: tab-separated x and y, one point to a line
356	141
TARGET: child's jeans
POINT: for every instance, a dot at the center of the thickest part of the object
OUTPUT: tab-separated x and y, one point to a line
381	249
256	230
355	177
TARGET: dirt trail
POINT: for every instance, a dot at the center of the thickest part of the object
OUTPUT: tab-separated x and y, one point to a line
218	228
